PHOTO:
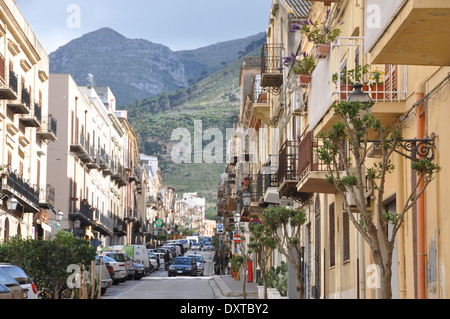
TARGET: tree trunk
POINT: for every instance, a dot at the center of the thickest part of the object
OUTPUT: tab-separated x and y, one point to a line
299	284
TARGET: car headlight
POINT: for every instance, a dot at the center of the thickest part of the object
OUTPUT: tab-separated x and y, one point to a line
188	268
171	268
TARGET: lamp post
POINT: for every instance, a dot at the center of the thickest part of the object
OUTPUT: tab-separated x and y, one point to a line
11	203
246	199
358	95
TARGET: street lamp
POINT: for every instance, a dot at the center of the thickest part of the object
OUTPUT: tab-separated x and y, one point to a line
11	203
246	198
77	224
358	95
237	218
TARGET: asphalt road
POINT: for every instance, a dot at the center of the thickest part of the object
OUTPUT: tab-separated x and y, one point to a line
159	286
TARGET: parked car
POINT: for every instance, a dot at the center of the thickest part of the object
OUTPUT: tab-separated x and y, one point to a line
138	254
101	267
176	249
12	285
120	268
5	293
172	251
208	246
28	286
200	263
153	261
159	252
182	266
196	246
121	256
139	271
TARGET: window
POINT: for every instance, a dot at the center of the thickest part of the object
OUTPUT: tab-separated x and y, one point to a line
332	236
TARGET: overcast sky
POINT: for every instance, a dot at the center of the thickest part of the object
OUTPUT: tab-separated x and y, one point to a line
178	24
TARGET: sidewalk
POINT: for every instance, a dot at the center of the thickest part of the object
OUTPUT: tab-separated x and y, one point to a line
232	288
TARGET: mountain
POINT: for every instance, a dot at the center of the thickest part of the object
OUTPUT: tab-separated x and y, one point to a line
205	61
215	102
137	68
133	68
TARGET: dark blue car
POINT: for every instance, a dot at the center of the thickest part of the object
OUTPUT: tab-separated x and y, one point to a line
182	266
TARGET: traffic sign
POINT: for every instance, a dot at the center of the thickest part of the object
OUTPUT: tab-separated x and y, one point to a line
220	228
158	223
252	223
237	239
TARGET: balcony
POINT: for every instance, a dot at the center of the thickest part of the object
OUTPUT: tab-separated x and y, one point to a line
47	196
83	212
23	106
346	56
311	171
271	66
287	173
104	224
261	100
26	193
33	119
415	36
120	227
120	176
47	129
78	145
88	157
8	82
267	186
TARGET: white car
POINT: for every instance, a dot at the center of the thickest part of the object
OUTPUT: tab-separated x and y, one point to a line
120	268
22	278
200	263
153	261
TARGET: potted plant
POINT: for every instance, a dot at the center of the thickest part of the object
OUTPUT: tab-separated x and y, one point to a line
377	84
302	65
359	75
260	286
320	34
236	262
346	83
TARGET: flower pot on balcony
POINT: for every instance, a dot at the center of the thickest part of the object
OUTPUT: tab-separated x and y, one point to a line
304	80
321	51
375	89
346	90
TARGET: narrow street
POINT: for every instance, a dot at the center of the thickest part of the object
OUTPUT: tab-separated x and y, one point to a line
159	286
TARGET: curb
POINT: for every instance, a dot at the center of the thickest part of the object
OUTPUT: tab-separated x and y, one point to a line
226	291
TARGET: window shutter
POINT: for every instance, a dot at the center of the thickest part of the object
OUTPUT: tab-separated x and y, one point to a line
390	81
346	236
332	236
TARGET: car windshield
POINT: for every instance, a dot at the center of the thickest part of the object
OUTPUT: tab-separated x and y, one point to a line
198	259
18	274
117	257
6	279
107	259
182	261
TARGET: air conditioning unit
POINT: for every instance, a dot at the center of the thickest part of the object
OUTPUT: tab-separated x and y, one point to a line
367	190
300	102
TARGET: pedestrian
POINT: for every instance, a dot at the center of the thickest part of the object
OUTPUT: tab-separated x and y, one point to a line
166	260
217	263
228	262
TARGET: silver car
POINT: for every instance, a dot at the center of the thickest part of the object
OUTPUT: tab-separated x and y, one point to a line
22	278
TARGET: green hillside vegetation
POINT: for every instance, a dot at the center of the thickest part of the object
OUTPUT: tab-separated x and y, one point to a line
215	101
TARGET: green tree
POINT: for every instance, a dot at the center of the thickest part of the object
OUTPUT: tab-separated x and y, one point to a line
46	261
284	225
349	174
263	244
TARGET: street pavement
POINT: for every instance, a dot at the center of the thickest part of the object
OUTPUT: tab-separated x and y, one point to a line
229	287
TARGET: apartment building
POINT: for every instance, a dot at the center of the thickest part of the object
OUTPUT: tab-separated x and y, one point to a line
402	42
27	129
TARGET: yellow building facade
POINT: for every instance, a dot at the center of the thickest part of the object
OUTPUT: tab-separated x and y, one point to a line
404	42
